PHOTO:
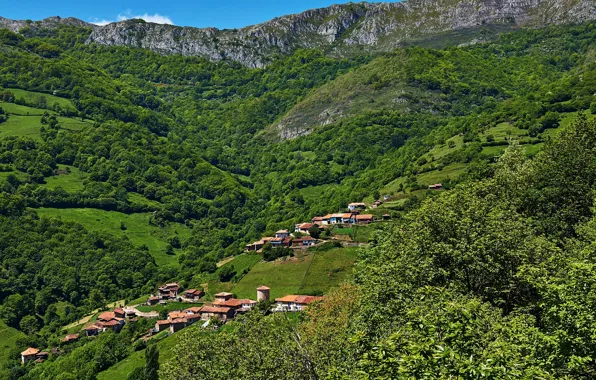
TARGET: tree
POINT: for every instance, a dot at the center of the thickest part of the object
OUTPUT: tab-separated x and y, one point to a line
29	324
315	231
227	273
151	362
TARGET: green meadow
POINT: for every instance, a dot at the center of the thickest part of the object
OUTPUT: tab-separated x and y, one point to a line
311	272
138	229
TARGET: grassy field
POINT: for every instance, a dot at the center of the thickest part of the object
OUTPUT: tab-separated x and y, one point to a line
22	126
26	122
8	337
31	96
308	272
328	269
283	277
70	182
137	230
240	263
121	370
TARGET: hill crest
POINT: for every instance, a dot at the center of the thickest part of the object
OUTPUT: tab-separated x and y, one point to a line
340	30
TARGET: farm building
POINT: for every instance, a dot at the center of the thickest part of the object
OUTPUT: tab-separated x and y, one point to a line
194	294
282	234
29	355
356	206
294	302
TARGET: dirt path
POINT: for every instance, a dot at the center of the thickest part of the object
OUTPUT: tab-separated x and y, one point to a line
151	314
225	261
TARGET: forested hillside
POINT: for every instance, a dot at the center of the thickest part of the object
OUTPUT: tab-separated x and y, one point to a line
121	169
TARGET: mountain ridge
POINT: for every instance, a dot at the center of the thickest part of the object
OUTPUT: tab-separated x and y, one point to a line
340	30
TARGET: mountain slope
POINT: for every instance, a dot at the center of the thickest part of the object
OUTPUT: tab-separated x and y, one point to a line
340	30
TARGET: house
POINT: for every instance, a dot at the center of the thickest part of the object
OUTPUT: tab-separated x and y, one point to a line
70	338
246	306
294	302
436	186
223	296
176	315
377	203
29	355
194	294
356	206
386	217
114	325
169	291
107	316
304	227
92	330
276	242
364	219
193	310
151	301
222	313
41	357
335	218
306	241
318	220
287	242
177	325
232	303
192	318
348	218
162	325
282	234
119	313
130	313
258	245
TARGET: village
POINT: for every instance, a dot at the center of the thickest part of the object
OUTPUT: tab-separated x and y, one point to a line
224	306
304	234
221	310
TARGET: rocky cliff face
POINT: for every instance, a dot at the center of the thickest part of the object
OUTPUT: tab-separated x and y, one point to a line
48	23
339	29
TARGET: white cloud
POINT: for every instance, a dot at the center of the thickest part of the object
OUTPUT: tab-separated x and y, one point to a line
156	18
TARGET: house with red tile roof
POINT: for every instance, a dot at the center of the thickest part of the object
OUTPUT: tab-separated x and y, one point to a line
169	291
153	300
70	338
193	310
304	228
356	206
29	355
119	313
107	316
162	325
177	325
364	219
222	313
294	302
282	234
306	241
223	296
231	303
92	330
194	294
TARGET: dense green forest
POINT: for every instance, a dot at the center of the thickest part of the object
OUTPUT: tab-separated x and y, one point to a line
469	283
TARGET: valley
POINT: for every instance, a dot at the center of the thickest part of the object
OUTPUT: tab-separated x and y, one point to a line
127	164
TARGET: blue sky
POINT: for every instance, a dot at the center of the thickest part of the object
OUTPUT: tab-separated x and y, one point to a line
199	13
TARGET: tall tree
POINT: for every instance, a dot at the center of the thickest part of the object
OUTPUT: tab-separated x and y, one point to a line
151	363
